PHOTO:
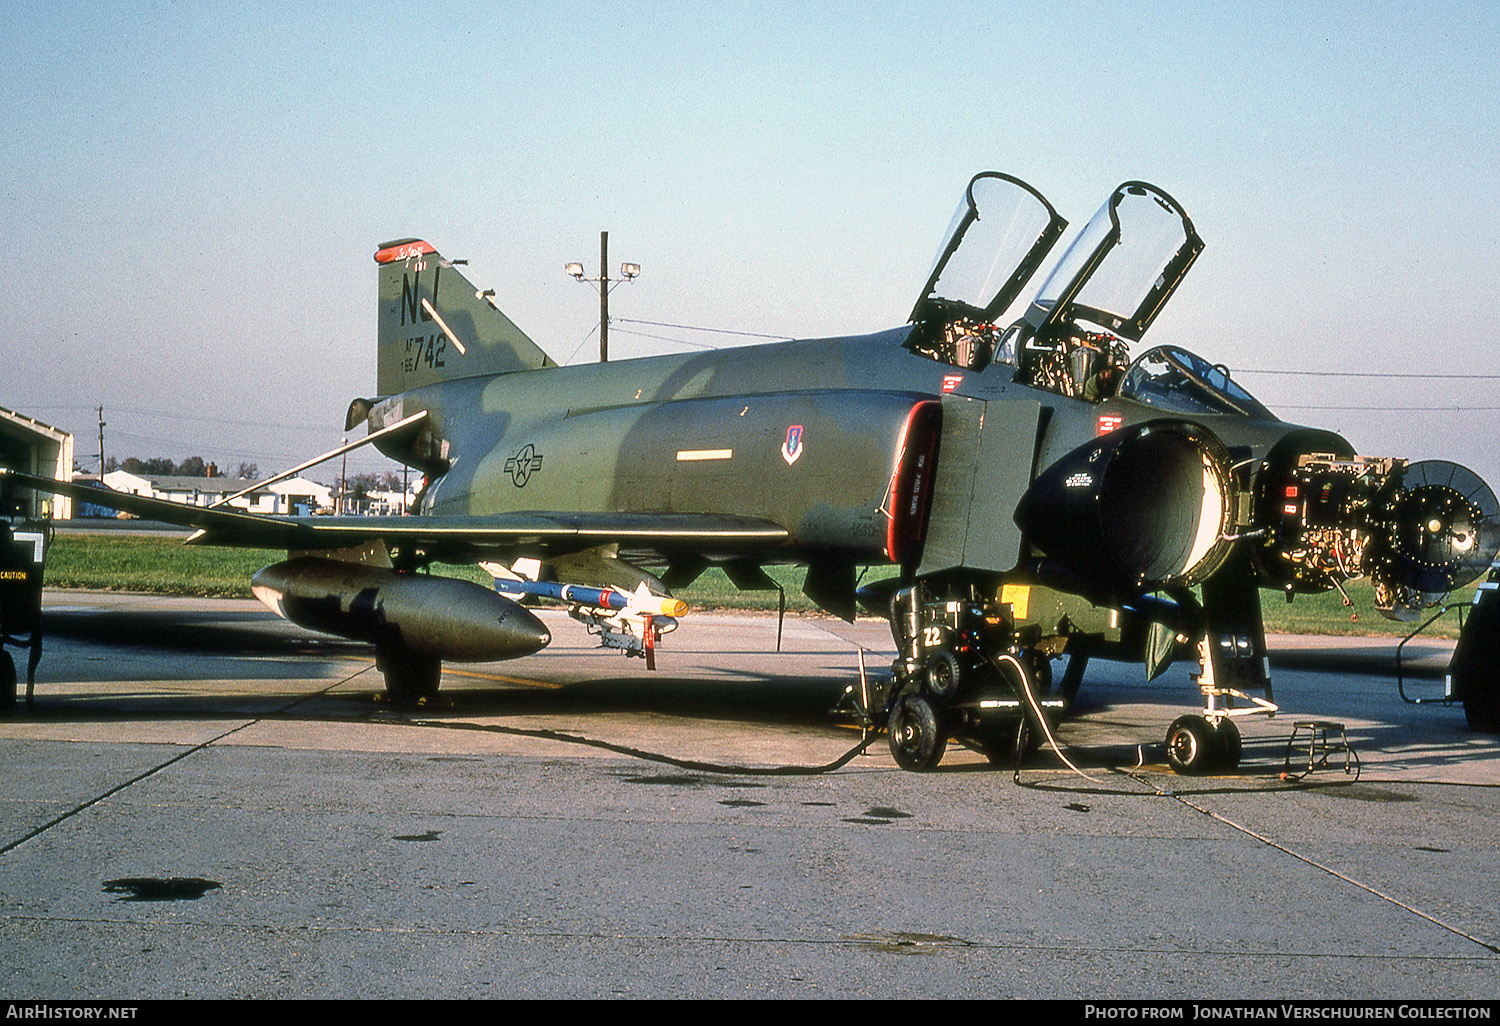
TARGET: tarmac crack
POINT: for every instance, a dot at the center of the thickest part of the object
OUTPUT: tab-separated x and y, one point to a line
110	792
159	767
1336	874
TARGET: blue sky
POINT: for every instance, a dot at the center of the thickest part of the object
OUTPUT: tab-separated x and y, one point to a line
192	192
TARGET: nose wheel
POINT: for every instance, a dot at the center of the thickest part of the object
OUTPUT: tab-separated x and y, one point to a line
1196	746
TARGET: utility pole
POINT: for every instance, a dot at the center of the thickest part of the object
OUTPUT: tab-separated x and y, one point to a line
604	297
102	466
602	283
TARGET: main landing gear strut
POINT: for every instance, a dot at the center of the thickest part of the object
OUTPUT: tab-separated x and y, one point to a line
947	685
410	676
963	675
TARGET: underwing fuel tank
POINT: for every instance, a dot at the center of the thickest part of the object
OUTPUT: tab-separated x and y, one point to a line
1137	510
440	616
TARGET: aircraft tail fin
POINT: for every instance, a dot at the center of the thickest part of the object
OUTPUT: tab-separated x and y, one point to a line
435	326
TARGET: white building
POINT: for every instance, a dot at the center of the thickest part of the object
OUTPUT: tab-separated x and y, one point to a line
389	502
293	495
28	445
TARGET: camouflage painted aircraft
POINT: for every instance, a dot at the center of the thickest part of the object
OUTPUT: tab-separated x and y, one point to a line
1036	492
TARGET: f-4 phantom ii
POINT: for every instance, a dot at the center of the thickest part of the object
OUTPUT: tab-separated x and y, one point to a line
1038	493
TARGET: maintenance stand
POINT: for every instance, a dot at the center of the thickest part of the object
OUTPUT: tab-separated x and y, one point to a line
23	548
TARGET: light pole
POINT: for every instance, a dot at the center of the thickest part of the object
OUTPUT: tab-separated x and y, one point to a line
628	272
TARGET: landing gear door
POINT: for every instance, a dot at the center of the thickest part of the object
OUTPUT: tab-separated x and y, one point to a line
1122	267
985	460
1001	233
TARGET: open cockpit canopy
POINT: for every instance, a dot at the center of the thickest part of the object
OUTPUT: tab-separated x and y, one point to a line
1001	233
1121	268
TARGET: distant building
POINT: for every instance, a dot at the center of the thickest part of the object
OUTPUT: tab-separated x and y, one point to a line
296	495
388	503
32	447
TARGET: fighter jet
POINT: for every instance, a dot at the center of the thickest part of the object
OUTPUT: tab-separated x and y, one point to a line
1031	490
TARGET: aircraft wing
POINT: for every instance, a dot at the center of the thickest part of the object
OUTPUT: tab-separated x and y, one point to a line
449	539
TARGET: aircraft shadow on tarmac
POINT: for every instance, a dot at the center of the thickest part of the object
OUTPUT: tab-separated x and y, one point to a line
221	633
259	649
1383	730
762	698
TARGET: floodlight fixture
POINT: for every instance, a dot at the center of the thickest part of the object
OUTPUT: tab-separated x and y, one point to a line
602	284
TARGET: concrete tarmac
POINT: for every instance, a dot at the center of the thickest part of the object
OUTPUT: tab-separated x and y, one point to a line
206	802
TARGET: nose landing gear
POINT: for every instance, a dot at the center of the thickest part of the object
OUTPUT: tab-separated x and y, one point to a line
1197	745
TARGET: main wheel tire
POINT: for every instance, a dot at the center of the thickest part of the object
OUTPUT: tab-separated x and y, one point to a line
1028	741
1040	667
916	735
898	622
1192	746
994	745
7	682
1072	678
1012	745
1473	665
1482	706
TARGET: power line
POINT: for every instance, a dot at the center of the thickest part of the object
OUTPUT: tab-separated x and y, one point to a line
1395	409
579	346
300	426
690	327
1368	374
664	338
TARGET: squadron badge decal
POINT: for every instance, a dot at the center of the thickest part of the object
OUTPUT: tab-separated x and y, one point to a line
791	449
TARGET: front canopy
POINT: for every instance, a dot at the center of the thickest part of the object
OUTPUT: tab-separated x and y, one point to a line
1001	233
